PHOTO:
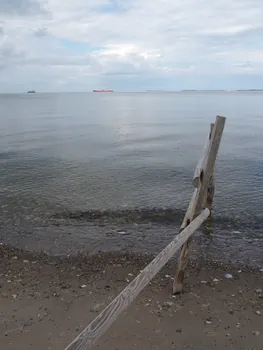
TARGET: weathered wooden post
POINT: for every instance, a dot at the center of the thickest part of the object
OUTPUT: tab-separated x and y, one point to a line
203	173
210	190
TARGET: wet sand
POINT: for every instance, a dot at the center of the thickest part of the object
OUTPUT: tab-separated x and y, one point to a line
46	301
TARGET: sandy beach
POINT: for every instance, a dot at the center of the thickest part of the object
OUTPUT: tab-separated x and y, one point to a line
46	301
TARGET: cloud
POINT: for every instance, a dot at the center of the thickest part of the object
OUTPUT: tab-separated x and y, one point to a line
76	44
22	7
41	32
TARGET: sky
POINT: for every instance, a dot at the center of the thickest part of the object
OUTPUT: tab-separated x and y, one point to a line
130	45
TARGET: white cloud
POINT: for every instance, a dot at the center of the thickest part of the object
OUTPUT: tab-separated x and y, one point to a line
75	44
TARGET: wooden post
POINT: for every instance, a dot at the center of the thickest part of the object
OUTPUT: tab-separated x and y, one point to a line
210	190
206	168
202	160
104	320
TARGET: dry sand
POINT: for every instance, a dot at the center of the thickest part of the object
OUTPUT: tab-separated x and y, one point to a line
46	301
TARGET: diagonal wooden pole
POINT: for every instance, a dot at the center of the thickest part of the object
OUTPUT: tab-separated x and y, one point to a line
201	181
104	320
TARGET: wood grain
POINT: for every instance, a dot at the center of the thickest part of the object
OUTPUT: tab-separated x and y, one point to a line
104	320
195	205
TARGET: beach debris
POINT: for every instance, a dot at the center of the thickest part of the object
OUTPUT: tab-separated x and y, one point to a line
168	304
256	333
228	276
83	286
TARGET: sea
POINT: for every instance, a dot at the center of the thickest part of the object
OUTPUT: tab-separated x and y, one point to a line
100	172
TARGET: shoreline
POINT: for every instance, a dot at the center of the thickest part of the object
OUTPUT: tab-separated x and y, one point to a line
46	301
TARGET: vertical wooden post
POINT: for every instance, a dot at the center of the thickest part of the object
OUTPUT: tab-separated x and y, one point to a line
205	171
210	189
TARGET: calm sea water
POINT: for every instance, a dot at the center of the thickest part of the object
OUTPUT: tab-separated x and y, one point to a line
83	171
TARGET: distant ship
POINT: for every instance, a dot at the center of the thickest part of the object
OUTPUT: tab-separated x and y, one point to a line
31	92
103	90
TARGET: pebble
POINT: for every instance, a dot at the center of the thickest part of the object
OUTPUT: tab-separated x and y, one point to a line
203	282
208	322
257	290
257	333
14	257
228	276
25	261
168	304
258	312
83	286
215	280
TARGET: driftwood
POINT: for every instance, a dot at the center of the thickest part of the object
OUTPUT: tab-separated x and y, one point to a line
210	189
199	170
104	320
195	206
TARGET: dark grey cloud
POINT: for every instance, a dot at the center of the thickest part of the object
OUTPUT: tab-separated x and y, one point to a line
41	32
20	7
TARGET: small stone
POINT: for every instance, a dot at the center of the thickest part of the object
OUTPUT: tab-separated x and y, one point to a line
203	282
228	276
208	322
215	280
259	290
130	274
14	257
256	333
168	304
83	286
258	312
261	270
14	296
167	276
25	261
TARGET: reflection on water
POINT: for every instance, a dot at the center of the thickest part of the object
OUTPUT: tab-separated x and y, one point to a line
124	154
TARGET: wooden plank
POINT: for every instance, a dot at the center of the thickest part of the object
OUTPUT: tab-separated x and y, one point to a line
202	161
195	205
103	321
